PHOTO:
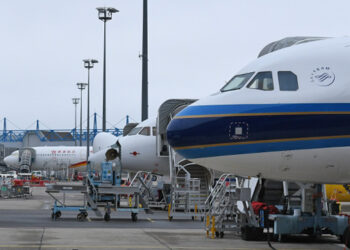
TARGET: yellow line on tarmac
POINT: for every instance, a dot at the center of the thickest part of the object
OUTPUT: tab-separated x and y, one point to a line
150	219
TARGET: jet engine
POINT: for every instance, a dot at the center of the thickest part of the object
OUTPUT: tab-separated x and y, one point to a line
103	140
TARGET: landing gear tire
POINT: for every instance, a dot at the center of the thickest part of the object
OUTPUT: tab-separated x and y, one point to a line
282	238
133	216
222	235
250	233
346	237
107	217
81	217
58	214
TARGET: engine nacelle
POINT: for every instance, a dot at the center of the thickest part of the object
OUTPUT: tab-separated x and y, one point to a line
103	140
107	154
111	154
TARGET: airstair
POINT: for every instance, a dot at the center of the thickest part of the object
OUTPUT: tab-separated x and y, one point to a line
187	169
228	207
26	160
143	181
186	199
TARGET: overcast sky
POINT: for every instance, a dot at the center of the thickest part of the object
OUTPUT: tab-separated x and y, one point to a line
194	47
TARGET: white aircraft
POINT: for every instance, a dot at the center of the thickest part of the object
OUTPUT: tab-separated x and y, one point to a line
285	116
137	149
52	158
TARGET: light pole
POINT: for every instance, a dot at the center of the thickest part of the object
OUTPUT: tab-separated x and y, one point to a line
144	98
81	86
88	64
105	14
75	102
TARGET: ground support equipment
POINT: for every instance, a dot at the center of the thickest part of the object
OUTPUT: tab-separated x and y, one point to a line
311	219
60	204
229	208
107	192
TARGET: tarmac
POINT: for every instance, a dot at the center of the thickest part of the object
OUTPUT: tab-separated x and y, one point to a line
27	224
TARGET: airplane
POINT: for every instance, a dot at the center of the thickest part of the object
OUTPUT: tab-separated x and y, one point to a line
50	158
284	116
137	149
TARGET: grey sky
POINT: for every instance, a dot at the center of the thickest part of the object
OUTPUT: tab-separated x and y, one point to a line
194	47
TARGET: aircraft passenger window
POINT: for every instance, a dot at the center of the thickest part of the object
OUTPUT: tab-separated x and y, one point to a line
237	82
145	131
262	81
288	81
135	131
154	131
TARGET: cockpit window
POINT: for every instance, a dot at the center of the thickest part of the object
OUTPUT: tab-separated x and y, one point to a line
145	131
288	81
135	131
237	82
262	81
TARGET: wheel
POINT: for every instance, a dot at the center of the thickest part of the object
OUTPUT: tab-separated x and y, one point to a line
346	237
217	234
222	234
58	214
192	218
85	214
133	216
107	217
81	217
52	216
282	238
249	233
170	218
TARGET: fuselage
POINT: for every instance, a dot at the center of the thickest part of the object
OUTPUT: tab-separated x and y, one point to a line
138	150
53	158
285	117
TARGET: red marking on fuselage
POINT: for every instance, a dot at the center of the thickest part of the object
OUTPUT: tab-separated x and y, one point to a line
134	153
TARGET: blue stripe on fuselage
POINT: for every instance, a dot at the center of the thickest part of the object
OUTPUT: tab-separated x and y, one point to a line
263	108
262	148
216	130
201	136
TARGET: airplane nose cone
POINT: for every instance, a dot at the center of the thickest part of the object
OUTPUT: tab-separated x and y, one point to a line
187	135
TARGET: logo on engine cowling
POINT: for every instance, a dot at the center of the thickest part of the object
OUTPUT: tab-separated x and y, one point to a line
322	76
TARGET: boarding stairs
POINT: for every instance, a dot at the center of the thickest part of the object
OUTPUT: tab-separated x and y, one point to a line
26	161
199	182
228	206
185	197
91	196
143	181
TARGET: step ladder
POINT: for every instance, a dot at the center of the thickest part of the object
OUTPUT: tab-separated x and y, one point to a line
143	181
26	161
228	207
